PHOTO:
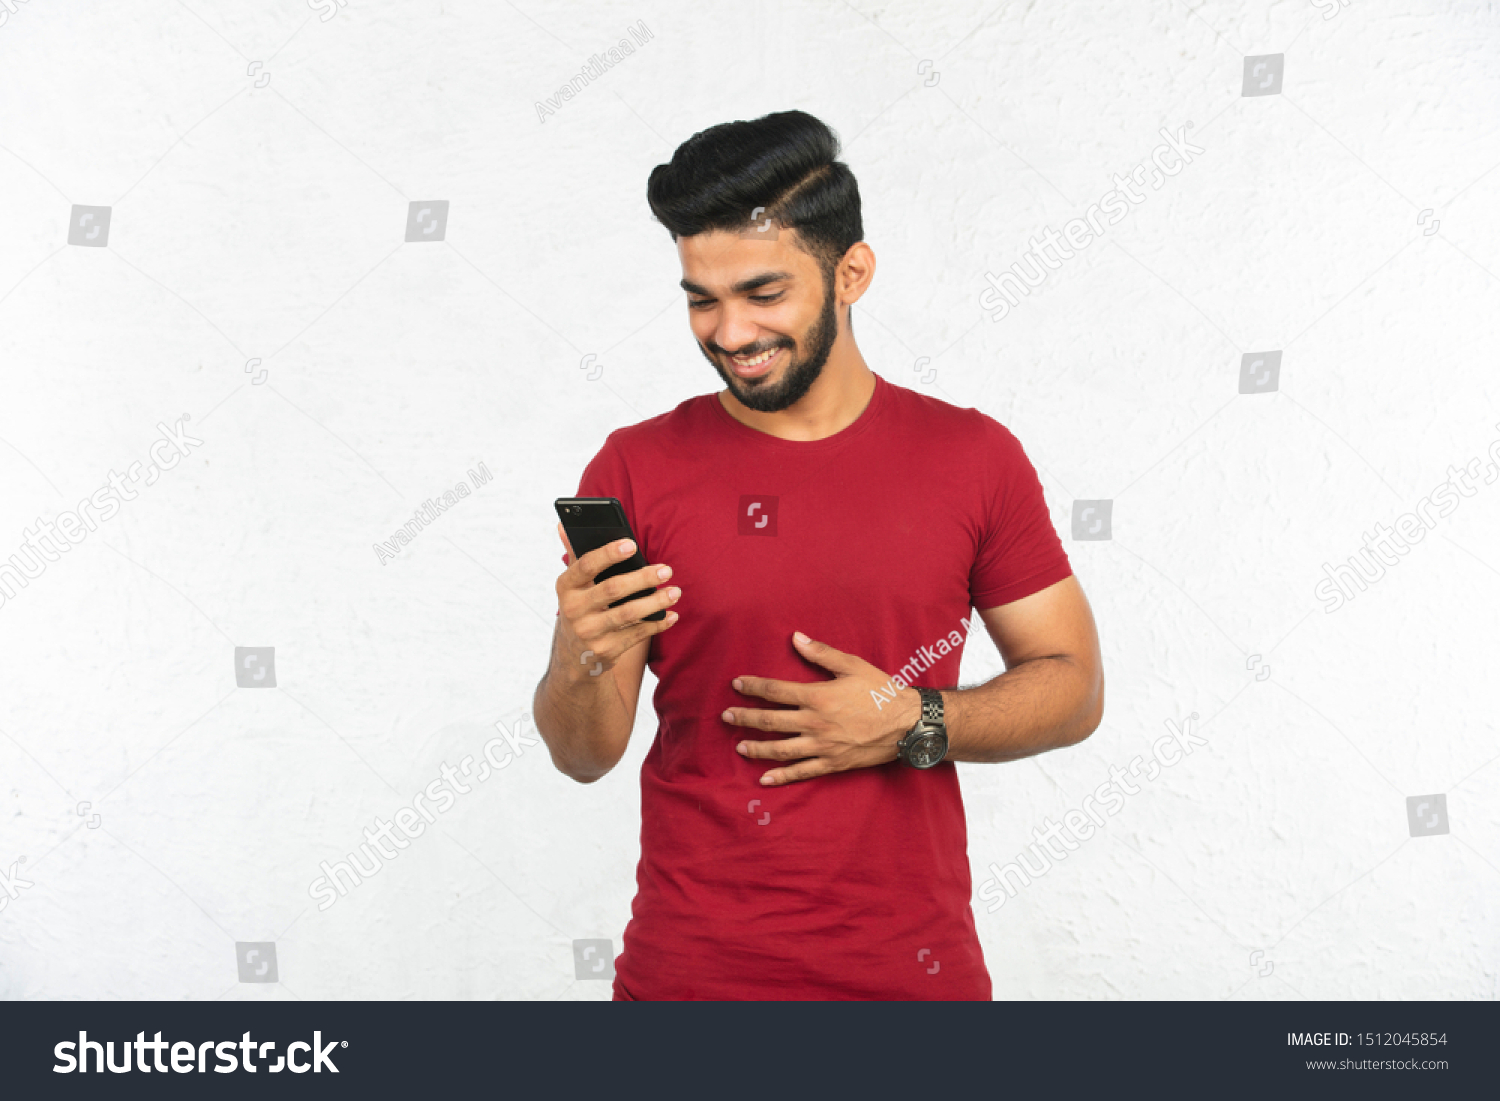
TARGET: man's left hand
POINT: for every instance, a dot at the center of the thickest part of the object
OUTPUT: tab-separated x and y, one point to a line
838	721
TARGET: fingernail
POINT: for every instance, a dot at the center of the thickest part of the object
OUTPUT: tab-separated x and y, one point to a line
626	547
800	637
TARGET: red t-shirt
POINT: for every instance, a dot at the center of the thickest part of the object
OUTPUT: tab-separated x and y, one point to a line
876	540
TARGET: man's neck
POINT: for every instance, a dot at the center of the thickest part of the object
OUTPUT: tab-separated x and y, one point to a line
835	402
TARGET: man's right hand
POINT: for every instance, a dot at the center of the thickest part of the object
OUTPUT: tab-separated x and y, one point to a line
591	633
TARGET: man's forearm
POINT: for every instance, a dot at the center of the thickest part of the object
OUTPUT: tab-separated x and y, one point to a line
582	719
1043	704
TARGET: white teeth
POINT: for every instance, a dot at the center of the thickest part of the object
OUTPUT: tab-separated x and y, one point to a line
756	361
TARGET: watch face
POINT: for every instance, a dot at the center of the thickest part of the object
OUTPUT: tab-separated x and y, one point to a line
926	750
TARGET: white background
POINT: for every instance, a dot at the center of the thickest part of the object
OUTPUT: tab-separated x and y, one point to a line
268	222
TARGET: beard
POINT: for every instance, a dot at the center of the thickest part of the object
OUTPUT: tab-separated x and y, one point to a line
764	396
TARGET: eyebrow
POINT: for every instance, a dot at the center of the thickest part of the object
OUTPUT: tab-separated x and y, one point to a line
744	286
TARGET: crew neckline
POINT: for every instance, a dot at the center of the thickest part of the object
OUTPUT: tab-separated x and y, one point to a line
857	427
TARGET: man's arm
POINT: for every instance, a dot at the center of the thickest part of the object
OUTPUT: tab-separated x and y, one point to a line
584	706
586	721
1052	692
1051	695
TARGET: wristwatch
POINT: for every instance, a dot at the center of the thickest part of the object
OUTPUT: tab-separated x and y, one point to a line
926	743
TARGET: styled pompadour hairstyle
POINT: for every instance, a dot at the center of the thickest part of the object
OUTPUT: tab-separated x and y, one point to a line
785	163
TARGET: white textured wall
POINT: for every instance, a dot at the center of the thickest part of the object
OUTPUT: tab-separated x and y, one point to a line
267	222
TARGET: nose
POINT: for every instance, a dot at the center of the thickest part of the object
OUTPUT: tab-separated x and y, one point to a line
735	330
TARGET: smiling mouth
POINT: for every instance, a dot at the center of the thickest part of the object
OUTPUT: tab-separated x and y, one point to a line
758	364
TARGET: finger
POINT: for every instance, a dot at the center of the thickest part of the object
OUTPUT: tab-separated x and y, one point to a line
582	572
777	691
610	647
783	722
616	588
567	546
804	770
637	633
835	661
605	620
787	749
593	597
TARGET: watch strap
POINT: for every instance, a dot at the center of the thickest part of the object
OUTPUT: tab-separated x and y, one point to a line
932	706
931	717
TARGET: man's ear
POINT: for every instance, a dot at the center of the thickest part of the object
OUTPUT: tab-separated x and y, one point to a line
854	274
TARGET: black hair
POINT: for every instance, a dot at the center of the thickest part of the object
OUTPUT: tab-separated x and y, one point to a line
785	163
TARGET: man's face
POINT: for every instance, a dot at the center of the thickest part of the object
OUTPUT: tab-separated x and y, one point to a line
749	297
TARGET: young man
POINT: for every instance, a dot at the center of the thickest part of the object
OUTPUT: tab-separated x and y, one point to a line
823	534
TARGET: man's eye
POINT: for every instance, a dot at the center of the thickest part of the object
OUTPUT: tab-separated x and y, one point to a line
699	303
765	297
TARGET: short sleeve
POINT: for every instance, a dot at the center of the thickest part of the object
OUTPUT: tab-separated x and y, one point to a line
606	476
1019	551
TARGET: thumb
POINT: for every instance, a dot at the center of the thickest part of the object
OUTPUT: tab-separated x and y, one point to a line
836	661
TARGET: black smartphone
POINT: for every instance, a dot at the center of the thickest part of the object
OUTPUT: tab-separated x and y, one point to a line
591	522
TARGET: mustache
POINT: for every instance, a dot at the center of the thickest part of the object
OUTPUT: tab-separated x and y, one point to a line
749	350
